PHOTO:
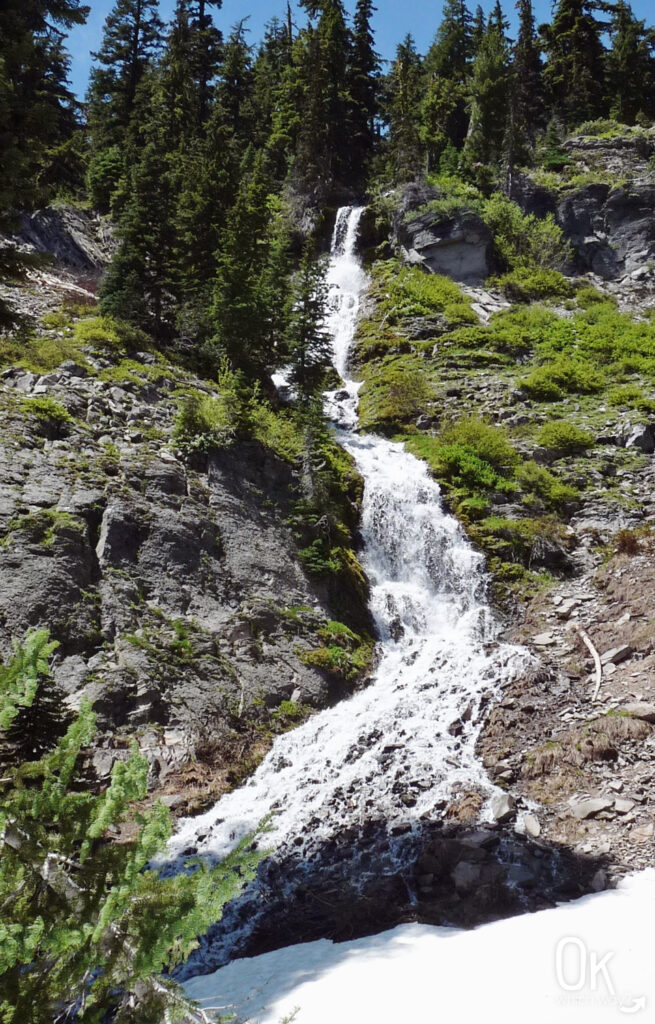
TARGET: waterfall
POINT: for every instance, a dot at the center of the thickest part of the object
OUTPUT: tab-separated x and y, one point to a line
389	758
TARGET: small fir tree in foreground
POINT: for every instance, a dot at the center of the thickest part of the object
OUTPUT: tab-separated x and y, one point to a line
86	929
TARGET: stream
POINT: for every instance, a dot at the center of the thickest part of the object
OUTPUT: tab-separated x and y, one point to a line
352	790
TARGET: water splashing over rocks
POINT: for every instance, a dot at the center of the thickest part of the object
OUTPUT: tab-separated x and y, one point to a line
358	792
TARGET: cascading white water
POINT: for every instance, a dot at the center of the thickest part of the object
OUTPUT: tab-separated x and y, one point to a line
388	753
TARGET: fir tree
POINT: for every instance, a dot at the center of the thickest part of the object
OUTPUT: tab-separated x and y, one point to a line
235	90
528	103
322	151
574	70
363	88
404	112
244	320
447	63
478	29
490	84
131	42
630	66
310	347
139	285
85	926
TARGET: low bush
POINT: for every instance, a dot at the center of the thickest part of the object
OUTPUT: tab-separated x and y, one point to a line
564	437
395	391
523	240
563	376
487	442
526	284
546	486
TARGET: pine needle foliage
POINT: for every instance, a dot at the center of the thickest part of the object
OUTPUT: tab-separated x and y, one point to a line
86	927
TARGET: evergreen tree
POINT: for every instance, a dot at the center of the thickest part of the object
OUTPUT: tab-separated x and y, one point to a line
204	52
528	104
322	150
363	88
234	94
630	66
38	113
574	70
269	71
498	21
310	346
490	85
447	65
85	926
131	42
244	312
140	283
478	29
404	113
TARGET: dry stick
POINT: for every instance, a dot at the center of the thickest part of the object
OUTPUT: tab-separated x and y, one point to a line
597	663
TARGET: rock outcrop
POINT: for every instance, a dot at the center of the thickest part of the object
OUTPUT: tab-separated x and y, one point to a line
177	595
457	245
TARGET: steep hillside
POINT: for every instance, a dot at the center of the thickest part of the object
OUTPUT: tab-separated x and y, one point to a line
532	397
199	577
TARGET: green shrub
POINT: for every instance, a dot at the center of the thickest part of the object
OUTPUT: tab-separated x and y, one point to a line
523	240
395	391
564	437
631	396
526	541
589	296
529	284
106	332
489	443
47	410
563	376
539	481
344	653
603	127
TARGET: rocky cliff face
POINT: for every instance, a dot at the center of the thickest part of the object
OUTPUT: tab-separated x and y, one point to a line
458	245
174	587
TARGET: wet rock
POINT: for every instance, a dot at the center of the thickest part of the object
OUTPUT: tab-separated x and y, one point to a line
503	807
532	826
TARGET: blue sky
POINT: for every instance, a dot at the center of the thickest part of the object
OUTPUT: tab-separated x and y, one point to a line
393	20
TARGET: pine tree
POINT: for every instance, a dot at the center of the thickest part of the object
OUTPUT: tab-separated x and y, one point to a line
447	65
310	347
363	89
404	113
131	42
574	70
38	113
528	105
490	83
630	66
244	319
85	927
139	285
